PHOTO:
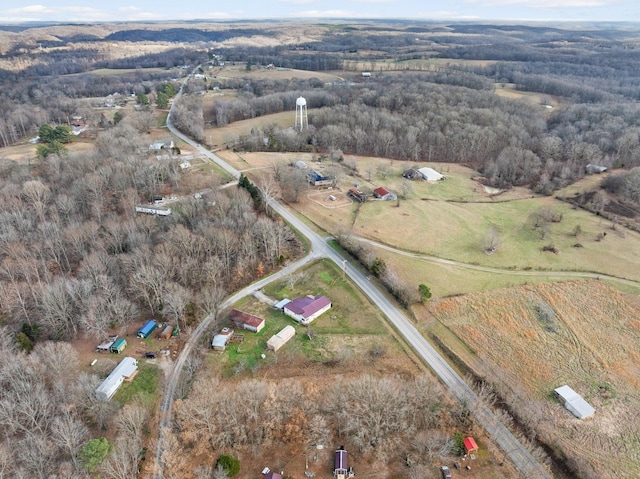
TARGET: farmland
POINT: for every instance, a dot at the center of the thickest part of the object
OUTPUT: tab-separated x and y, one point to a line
527	358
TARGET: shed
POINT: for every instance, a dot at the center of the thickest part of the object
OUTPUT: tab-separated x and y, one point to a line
574	402
106	346
246	320
430	174
591	168
470	445
412	174
166	332
280	339
306	309
125	371
147	329
118	345
384	194
220	340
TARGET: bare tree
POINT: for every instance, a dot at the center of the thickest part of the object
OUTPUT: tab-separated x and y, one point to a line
492	240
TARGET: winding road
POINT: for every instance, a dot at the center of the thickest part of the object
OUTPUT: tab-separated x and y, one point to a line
524	462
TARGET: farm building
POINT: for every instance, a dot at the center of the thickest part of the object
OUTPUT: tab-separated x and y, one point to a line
166	332
318	179
357	195
574	402
281	304
384	194
118	346
341	467
106	346
470	446
147	329
246	321
153	210
220	340
412	174
301	164
280	339
304	310
430	174
125	371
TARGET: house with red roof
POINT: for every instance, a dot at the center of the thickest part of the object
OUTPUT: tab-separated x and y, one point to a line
306	309
384	194
246	321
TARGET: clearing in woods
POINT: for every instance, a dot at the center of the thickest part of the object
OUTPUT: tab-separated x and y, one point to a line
529	340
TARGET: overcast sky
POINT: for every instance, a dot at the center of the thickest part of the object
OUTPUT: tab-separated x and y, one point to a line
140	10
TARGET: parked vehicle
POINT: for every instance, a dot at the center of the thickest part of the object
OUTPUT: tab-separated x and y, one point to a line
446	473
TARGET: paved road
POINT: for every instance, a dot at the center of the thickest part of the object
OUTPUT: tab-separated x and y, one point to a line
522	459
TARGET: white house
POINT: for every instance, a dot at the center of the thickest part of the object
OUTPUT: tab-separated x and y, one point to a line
153	210
574	402
278	340
430	174
304	310
125	371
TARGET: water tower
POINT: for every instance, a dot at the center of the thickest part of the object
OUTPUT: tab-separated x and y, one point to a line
301	114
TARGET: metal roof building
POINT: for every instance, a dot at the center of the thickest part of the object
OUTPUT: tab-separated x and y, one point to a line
278	340
574	402
125	371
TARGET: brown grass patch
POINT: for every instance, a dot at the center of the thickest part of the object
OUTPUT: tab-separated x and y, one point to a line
592	347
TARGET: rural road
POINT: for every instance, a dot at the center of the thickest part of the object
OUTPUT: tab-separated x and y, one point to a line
524	462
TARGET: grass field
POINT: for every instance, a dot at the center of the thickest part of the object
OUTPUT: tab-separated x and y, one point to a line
143	388
229	134
239	71
590	343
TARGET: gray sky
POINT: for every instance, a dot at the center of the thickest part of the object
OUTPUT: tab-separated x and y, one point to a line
141	10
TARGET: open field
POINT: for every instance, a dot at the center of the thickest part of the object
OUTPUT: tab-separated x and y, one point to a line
463	209
529	355
228	134
239	70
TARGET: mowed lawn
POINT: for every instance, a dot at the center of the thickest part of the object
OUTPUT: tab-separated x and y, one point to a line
590	343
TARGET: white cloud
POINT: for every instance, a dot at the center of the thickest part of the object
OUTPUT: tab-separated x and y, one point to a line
333	14
297	2
544	3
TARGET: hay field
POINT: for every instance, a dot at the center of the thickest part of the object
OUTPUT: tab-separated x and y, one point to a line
230	133
260	73
591	344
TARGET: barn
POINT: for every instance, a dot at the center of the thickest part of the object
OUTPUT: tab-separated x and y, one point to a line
574	402
430	174
147	329
246	321
125	371
280	339
304	310
166	332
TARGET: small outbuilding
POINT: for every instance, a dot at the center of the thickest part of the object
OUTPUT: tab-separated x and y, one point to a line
574	402
106	346
125	371
166	332
304	310
220	340
470	446
118	345
246	321
384	194
280	339
148	328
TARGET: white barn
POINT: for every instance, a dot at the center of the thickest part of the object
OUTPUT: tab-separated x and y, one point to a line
430	174
574	402
278	340
125	371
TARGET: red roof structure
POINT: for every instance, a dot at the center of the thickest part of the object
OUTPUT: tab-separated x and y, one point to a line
470	445
308	305
254	323
380	192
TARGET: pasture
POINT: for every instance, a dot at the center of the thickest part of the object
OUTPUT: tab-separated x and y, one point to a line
587	339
